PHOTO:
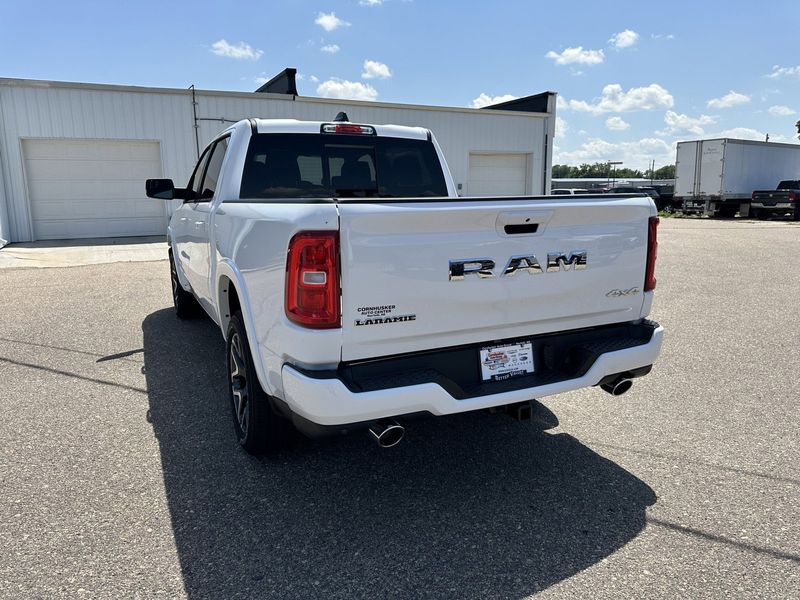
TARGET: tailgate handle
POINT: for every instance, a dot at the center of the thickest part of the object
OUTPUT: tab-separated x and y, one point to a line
521	228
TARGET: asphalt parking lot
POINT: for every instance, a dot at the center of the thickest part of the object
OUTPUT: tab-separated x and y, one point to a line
120	475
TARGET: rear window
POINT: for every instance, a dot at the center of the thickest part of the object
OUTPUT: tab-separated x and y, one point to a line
789	184
340	166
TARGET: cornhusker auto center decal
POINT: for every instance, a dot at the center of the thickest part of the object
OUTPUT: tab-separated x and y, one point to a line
381	315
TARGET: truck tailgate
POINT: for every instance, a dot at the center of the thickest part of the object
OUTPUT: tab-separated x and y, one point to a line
398	295
771	197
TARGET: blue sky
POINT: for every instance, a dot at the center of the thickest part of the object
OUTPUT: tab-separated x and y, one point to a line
633	77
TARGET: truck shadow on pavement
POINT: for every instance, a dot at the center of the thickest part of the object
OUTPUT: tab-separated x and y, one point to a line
469	506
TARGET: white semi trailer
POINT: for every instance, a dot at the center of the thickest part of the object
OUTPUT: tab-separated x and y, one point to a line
717	177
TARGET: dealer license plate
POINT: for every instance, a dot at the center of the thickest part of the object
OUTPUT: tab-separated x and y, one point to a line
507	361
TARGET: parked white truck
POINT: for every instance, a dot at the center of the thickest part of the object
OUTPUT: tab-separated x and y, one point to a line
717	177
355	289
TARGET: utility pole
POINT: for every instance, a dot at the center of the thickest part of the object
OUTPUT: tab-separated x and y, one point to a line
612	165
196	124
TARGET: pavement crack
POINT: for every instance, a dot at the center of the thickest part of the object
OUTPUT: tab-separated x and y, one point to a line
73	375
724	540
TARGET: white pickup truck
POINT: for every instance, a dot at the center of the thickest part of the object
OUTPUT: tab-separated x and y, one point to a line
355	289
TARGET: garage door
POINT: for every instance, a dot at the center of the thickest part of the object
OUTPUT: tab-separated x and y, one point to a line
92	188
497	174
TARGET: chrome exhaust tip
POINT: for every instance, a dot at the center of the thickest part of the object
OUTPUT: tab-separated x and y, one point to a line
618	387
387	432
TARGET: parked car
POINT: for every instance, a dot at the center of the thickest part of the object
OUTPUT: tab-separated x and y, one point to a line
784	199
569	192
651	191
626	189
355	289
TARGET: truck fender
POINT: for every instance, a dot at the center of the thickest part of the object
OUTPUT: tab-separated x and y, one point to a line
227	274
184	281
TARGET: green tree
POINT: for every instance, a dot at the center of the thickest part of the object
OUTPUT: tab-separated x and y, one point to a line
562	171
628	174
665	172
595	170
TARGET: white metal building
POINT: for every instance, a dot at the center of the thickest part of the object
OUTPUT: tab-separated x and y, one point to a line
74	156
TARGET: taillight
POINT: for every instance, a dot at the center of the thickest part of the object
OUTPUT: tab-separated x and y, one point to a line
753	196
792	196
312	280
652	251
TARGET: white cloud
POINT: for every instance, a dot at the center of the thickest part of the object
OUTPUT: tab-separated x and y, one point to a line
261	80
487	100
350	90
240	51
313	78
778	72
614	99
679	123
624	39
662	36
577	56
329	21
375	70
561	128
370	2
728	100
331	48
747	133
617	124
635	154
781	111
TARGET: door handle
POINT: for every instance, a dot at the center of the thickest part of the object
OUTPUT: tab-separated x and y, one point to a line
520	228
524	222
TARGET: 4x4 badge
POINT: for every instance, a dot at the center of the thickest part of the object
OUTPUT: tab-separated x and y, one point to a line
620	293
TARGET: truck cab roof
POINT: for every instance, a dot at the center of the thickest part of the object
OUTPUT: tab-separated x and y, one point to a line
295	126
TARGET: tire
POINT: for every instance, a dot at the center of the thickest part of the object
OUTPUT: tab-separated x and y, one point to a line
186	306
762	215
796	214
258	427
726	212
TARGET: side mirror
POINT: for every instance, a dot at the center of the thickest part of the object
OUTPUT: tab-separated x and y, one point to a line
164	189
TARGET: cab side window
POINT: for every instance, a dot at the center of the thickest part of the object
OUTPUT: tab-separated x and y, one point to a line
197	175
213	169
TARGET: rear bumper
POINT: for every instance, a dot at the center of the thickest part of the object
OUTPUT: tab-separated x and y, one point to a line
783	206
329	400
